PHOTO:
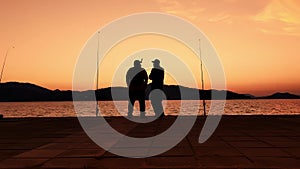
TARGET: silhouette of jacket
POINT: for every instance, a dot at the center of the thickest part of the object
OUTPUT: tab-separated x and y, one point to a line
157	77
137	79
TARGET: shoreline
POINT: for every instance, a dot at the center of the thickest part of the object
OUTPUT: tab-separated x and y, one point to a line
15	91
171	116
252	99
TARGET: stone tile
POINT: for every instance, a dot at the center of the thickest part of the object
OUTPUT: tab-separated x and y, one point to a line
268	133
167	141
118	163
183	143
224	162
263	152
170	162
84	153
90	145
294	144
19	146
52	135
295	138
63	146
41	140
141	135
230	133
39	153
175	151
276	139
21	163
143	130
108	154
73	140
126	144
210	143
129	152
10	140
216	151
229	139
77	135
4	154
248	144
276	162
69	163
295	152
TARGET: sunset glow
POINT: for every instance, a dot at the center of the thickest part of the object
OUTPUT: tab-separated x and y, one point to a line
257	41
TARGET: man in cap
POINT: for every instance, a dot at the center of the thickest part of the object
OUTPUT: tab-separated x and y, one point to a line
137	80
157	76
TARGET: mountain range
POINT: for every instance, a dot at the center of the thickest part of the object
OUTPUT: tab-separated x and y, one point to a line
15	91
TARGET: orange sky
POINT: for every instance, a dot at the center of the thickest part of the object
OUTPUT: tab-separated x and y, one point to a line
257	41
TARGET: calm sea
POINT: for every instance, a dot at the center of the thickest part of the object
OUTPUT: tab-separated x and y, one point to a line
172	107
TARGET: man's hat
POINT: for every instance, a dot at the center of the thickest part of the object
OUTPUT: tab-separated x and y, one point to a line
156	61
137	63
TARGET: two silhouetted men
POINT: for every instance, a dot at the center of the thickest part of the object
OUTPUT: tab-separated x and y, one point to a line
137	80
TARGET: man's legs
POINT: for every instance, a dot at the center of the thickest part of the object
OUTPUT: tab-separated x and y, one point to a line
130	104
156	101
142	105
157	107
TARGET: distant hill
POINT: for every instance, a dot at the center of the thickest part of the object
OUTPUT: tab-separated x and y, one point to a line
281	96
15	91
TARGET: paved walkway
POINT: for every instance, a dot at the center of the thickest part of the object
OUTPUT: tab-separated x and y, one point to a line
239	142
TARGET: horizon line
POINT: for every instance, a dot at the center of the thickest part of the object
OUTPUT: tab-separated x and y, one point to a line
297	94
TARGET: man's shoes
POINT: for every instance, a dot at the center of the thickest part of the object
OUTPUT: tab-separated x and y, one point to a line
129	115
162	115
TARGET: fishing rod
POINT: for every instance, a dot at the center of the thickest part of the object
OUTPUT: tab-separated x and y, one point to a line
97	83
202	79
4	62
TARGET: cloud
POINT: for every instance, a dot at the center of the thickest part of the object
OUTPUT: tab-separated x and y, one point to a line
225	11
226	18
268	16
181	8
280	17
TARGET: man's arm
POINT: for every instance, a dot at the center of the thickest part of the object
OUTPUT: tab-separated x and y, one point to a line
146	77
151	74
163	75
128	78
